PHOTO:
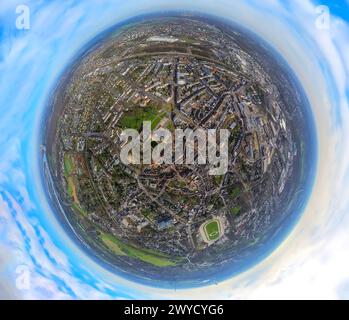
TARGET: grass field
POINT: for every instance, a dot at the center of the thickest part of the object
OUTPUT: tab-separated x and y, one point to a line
111	244
212	230
68	172
134	119
76	207
149	256
71	188
68	165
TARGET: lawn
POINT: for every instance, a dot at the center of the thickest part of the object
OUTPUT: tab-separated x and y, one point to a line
146	255
212	230
78	209
135	118
68	165
71	189
113	245
68	172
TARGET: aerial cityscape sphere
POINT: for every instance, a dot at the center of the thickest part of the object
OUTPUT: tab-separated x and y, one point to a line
175	222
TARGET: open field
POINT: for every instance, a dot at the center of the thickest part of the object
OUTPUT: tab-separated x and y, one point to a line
149	256
68	165
134	119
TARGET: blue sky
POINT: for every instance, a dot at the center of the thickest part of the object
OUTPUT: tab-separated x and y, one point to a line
311	262
338	8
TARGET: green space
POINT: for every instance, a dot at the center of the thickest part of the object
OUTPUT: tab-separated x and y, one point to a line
76	207
235	210
146	255
234	193
135	118
148	214
212	230
182	183
70	186
68	172
68	165
235	132
218	180
171	126
111	244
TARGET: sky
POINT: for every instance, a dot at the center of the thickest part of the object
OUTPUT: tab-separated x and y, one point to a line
37	258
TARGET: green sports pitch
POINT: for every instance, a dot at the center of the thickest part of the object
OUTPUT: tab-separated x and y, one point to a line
212	230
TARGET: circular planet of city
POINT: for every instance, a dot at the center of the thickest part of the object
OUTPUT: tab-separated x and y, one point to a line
176	223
